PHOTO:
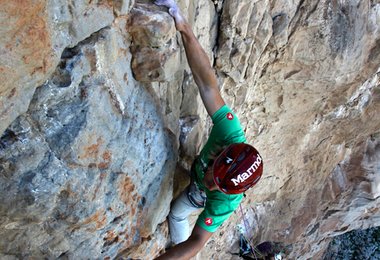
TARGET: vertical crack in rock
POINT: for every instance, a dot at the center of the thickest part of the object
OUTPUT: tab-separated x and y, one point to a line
219	11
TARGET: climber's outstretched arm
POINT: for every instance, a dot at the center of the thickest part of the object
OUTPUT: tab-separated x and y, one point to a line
190	247
204	75
199	63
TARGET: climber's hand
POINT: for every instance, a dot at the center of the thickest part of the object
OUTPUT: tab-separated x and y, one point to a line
173	11
171	4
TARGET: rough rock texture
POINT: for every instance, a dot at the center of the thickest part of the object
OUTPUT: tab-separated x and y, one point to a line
357	244
153	35
99	113
77	172
34	34
312	107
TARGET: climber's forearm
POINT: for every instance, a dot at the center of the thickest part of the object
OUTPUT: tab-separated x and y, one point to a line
203	73
199	63
183	251
198	60
190	247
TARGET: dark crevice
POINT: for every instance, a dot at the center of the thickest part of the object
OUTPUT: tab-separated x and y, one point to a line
324	139
218	21
288	75
8	138
329	213
117	220
70	52
63	255
312	231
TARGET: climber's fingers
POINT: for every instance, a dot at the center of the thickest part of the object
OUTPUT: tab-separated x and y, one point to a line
168	3
173	9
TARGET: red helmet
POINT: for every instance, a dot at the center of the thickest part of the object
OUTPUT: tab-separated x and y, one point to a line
237	168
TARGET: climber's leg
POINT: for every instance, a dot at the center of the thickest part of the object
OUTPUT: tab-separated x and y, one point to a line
190	200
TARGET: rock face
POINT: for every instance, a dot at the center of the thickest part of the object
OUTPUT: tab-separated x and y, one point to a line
362	245
33	38
99	113
77	170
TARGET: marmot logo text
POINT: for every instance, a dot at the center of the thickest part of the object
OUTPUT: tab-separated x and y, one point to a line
245	175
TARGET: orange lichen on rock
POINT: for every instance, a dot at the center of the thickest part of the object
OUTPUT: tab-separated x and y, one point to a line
92	151
129	195
101	178
99	218
126	188
28	39
111	237
107	3
107	156
93	156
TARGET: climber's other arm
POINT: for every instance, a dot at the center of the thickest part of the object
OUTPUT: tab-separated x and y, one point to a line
190	247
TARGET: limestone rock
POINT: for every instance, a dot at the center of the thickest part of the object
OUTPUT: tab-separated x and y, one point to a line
99	110
122	7
73	187
310	105
154	47
33	37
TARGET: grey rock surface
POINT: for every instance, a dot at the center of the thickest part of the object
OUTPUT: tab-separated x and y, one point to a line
101	119
78	170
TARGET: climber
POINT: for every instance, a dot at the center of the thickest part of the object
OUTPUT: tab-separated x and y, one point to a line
226	166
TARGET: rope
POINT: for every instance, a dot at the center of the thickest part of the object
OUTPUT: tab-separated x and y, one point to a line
253	249
244	220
